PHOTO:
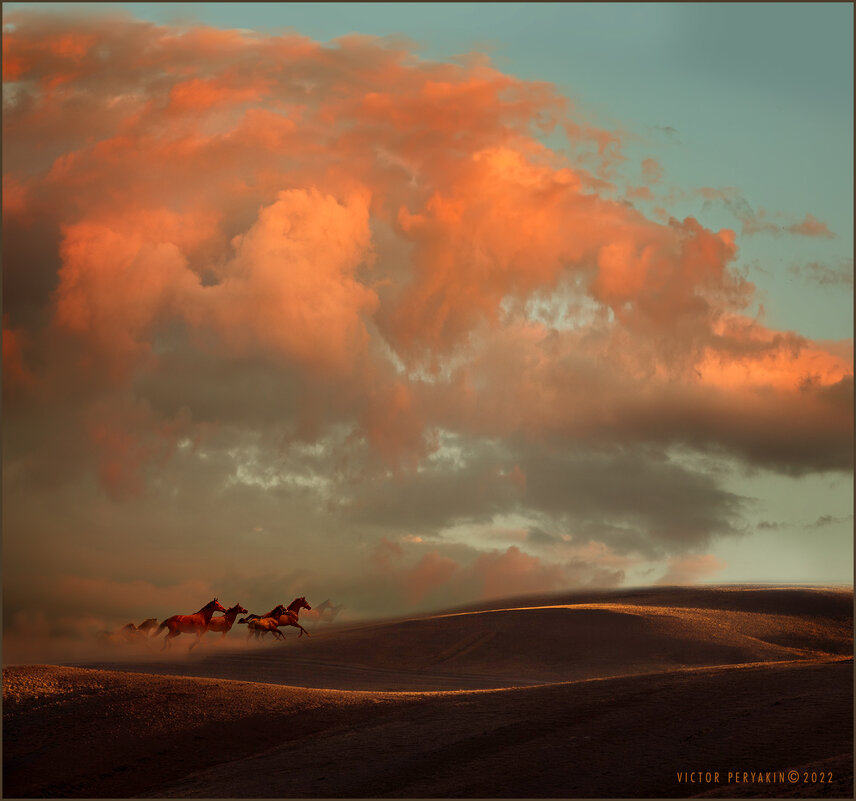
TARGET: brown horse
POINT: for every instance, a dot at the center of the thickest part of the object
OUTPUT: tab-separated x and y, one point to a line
190	624
289	617
226	622
257	625
263	625
129	633
148	624
325	613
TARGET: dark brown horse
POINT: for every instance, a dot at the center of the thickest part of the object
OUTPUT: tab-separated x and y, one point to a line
190	624
226	622
289	617
257	625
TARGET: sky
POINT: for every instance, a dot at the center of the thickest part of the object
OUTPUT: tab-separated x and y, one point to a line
408	306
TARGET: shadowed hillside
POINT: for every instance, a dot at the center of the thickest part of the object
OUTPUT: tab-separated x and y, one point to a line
605	695
546	640
79	733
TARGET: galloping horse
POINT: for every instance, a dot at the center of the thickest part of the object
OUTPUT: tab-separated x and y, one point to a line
190	624
327	612
289	617
129	633
262	624
148	624
225	623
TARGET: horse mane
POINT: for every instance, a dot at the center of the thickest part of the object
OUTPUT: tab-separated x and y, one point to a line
295	604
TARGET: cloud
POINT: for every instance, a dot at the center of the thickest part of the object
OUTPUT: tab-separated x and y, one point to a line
270	249
431	572
639	193
824	275
385	553
759	222
811	226
454	574
15	372
691	569
514	573
667	130
652	170
828	520
289	298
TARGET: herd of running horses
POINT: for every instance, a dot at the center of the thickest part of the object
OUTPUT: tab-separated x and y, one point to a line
203	621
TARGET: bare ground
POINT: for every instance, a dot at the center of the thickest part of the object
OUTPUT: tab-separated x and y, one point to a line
615	696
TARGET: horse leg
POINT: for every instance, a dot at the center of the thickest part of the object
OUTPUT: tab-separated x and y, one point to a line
199	636
170	636
302	630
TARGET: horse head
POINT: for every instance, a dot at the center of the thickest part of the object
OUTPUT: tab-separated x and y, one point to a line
297	604
216	606
237	609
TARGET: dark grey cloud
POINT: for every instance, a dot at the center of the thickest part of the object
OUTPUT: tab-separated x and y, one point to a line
632	499
537	536
829	520
668	131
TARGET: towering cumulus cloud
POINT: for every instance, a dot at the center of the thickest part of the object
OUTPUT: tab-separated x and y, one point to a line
354	289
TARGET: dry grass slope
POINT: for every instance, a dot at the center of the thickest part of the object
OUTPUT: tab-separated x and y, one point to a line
595	696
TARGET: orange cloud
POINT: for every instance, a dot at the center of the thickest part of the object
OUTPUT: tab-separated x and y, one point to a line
290	288
640	193
515	573
429	573
198	94
379	228
652	171
759	222
811	226
691	569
